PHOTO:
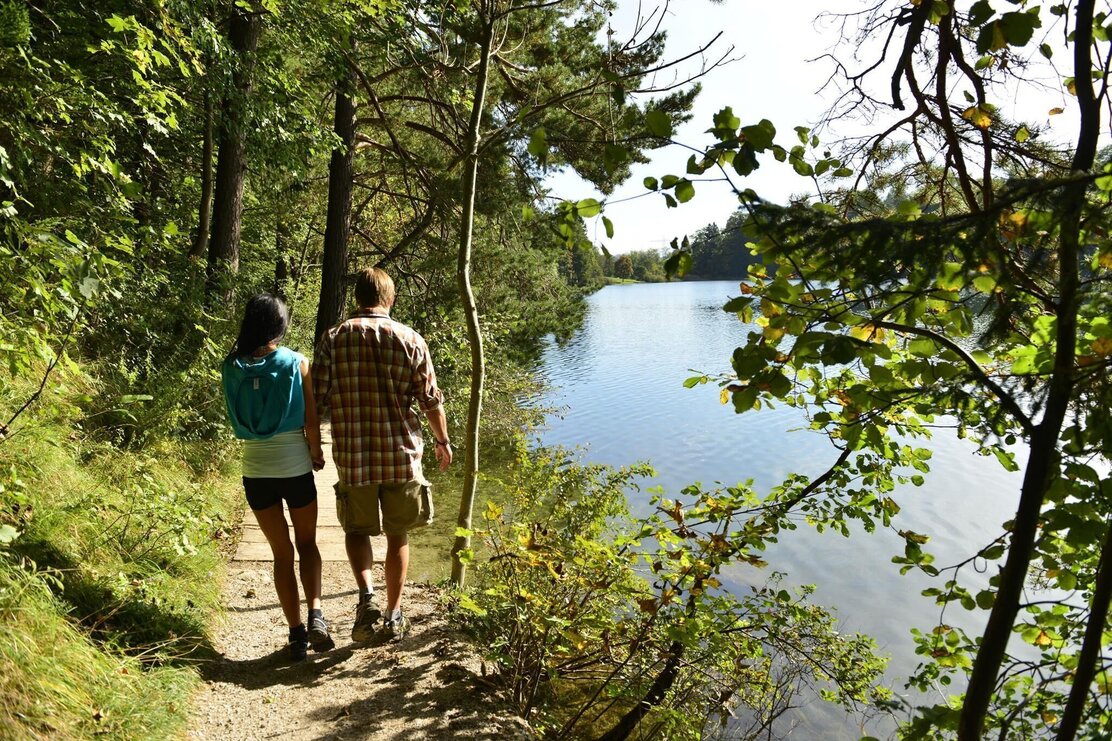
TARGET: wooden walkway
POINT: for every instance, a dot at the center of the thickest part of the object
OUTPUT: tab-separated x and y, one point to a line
330	536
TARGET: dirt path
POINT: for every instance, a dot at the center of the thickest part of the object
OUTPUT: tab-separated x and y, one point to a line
428	686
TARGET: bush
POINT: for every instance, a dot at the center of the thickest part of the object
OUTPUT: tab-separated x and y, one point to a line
597	621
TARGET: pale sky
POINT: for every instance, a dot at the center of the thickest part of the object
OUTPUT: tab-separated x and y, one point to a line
772	80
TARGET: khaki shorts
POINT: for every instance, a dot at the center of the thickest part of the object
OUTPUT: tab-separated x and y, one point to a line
393	509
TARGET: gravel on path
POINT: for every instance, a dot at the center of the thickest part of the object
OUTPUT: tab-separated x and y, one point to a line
427	686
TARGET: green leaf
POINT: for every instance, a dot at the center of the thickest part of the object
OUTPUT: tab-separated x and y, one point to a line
659	124
1018	28
685	190
538	144
651	183
588	207
1007	460
735	305
678	264
609	226
980	12
7	534
725	119
760	135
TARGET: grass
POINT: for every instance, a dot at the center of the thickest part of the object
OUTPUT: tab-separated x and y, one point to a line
108	586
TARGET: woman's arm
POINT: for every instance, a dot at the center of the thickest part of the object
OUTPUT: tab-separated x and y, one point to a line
312	421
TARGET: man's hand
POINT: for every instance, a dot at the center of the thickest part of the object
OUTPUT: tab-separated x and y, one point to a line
444	455
317	454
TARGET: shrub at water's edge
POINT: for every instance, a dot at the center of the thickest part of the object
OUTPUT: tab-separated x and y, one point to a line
106	575
598	623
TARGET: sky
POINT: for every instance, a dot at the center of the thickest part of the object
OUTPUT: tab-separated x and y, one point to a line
771	78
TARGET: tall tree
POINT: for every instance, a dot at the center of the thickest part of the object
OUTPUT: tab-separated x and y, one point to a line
486	22
338	220
244	29
974	297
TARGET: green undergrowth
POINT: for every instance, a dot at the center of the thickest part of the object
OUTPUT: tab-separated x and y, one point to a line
108	569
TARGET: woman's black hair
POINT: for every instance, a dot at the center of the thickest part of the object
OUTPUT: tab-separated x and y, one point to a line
264	320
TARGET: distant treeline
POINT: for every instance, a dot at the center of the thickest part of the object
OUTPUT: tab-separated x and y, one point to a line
719	253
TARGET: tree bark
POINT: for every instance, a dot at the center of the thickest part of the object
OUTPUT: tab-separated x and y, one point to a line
231	164
463	276
1090	645
1043	462
204	209
338	221
281	251
664	681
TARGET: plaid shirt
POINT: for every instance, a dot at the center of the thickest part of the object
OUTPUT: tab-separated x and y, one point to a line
368	370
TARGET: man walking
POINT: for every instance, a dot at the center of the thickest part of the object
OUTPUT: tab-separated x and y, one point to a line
369	370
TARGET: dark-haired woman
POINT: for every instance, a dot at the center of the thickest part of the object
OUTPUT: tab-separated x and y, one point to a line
269	398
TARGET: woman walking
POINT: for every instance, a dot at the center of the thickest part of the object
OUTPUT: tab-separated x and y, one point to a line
269	398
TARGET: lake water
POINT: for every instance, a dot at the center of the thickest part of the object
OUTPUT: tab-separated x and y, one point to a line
618	383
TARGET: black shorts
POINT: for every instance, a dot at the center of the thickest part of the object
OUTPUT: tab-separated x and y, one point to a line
298	491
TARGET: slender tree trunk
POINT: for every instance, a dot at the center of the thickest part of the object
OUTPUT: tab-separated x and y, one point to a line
1044	460
664	681
204	210
338	221
463	276
231	162
281	251
1090	646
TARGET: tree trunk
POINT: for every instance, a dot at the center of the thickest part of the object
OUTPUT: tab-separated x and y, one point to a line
1090	646
204	210
338	221
474	333
1043	463
664	681
231	163
281	251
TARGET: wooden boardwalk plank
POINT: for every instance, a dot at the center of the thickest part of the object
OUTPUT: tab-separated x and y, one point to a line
330	536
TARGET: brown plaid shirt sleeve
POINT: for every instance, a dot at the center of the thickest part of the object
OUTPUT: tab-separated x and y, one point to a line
370	372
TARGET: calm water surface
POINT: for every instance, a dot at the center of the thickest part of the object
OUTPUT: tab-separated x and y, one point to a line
618	383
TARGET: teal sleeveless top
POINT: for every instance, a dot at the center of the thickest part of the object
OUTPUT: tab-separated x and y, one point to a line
263	395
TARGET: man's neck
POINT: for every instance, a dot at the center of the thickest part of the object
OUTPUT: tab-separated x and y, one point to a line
375	310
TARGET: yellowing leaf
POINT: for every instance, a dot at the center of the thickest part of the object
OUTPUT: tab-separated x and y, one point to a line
1043	639
724	396
1105	260
866	333
1102	346
1056	111
773	334
978	116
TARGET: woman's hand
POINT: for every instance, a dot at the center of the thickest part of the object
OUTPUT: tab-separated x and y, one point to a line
316	452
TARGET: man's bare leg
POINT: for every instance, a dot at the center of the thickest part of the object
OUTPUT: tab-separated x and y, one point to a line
360	557
397	565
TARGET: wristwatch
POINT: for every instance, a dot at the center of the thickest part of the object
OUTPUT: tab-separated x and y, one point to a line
445	443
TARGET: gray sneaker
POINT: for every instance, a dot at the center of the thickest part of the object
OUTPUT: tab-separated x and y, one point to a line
367	616
319	637
394	629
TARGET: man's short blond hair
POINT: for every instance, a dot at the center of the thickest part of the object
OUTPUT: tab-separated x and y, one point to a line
374	287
